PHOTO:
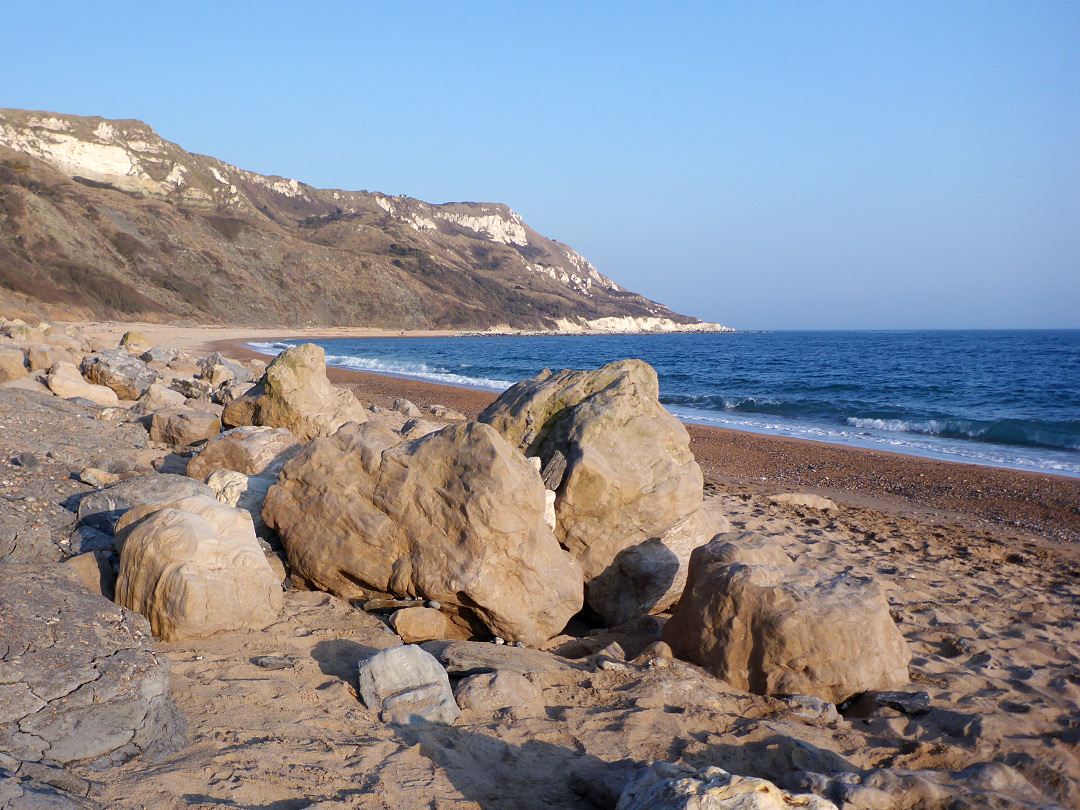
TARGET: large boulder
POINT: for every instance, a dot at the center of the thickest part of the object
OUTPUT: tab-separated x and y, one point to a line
218	369
42	356
456	516
294	393
247	492
194	568
784	629
80	679
65	381
627	486
183	426
249	450
128	376
102	509
12	365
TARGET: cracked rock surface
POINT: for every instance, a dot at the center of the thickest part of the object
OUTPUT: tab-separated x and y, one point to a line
80	678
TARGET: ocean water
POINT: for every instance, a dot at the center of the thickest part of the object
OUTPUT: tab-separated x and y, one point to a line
1003	398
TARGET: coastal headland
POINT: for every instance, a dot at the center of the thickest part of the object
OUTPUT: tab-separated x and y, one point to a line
974	569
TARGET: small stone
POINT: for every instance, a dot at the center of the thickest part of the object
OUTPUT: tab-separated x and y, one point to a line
431	603
29	462
498	640
98	478
914	703
273	662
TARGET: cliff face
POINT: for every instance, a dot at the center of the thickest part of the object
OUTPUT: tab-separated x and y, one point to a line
106	219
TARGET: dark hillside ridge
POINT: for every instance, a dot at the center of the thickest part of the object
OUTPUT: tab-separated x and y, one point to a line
105	219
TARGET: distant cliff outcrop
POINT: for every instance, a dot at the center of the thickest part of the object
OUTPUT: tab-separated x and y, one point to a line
106	219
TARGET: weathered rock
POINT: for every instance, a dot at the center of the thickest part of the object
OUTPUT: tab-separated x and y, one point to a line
29	462
27	384
416	624
95	571
159	395
294	393
81	680
217	369
231	391
42	357
65	381
449	414
102	509
504	689
183	426
192	389
195	568
663	786
249	450
629	480
786	630
156	355
128	376
475	657
18	793
98	478
914	703
135	340
406	407
245	492
405	685
86	538
748	547
415	428
456	516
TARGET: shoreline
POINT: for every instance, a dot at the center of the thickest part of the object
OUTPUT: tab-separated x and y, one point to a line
1018	504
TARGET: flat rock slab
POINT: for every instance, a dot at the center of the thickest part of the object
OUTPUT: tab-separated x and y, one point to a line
100	510
80	679
475	657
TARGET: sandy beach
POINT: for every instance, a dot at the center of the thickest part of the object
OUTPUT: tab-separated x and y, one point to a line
979	566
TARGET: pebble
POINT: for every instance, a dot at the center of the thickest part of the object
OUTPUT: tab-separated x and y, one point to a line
29	462
913	703
499	640
273	662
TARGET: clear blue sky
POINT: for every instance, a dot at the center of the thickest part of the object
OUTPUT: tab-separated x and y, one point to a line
765	165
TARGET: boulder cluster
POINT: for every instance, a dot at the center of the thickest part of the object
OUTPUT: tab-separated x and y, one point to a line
575	494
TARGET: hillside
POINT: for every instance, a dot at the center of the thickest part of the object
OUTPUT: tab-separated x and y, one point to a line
105	219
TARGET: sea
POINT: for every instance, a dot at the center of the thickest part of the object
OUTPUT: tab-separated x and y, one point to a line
1000	398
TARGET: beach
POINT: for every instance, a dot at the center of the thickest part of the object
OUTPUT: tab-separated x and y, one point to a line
979	566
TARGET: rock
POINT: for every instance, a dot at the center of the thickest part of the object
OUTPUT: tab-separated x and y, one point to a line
128	376
249	450
416	624
42	357
656	650
183	426
404	406
812	708
98	478
449	414
786	630
156	355
390	605
136	340
914	703
100	510
405	685
27	384
295	394
748	547
456	516
195	568
231	391
86	538
805	499
245	492
217	369
95	571
663	786
65	381
475	657
159	395
489	692
192	389
12	365
81	681
28	462
415	428
629	479
549	509
273	662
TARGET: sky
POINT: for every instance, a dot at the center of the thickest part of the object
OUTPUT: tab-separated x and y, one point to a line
772	165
